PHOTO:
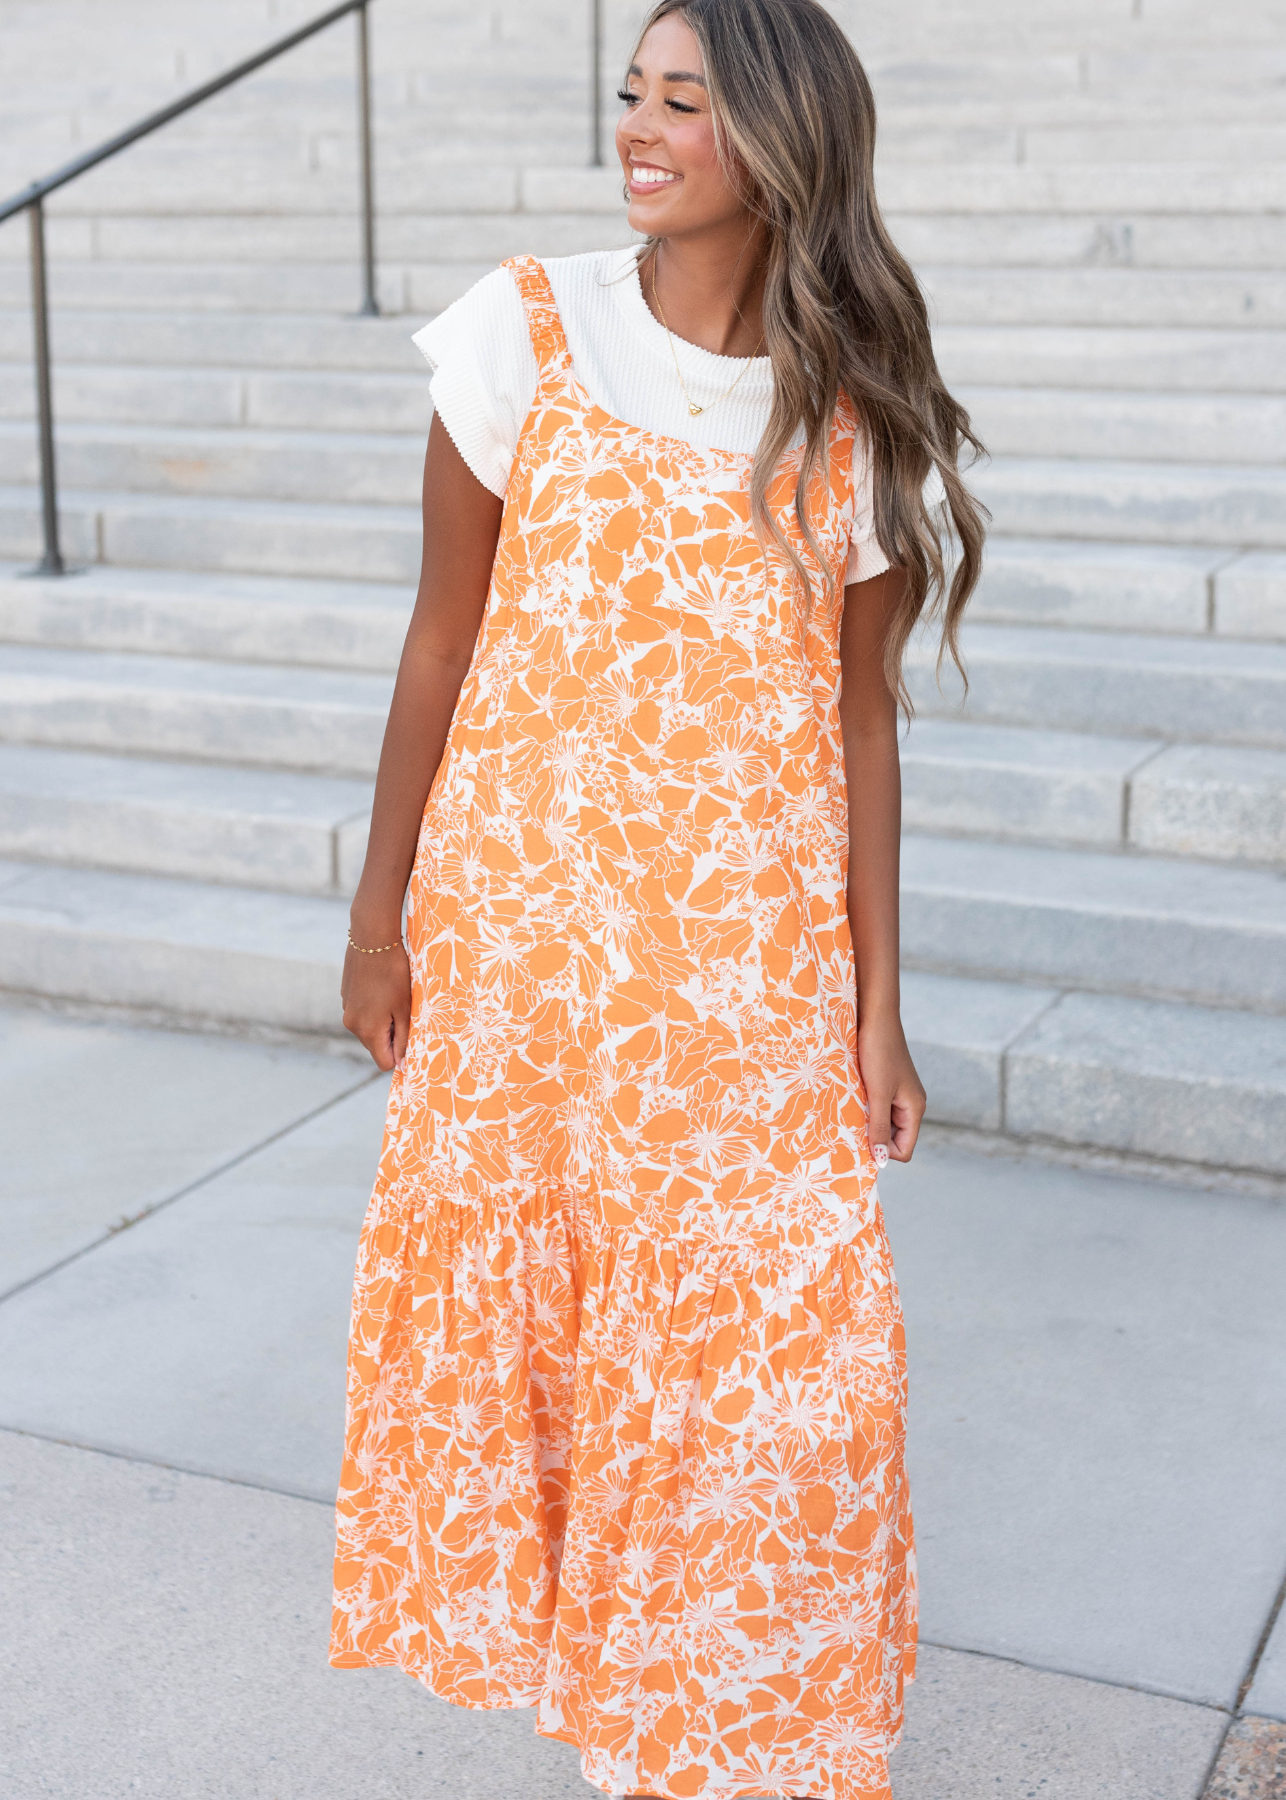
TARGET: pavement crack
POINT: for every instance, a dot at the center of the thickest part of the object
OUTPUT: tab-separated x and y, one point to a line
1044	1668
160	1462
1257	1655
127	1221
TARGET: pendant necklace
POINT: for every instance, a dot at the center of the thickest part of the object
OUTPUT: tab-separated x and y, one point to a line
693	408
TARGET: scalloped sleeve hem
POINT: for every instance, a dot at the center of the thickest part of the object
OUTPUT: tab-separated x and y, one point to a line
484	375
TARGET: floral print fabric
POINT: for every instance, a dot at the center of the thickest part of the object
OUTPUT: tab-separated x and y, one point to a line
626	1384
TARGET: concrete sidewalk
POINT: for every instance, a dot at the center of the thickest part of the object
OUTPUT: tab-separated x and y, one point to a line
1098	1456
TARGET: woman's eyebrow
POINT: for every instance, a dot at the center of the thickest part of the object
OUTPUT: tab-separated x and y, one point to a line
671	75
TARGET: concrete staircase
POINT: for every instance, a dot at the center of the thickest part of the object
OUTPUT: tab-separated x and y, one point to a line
1095	910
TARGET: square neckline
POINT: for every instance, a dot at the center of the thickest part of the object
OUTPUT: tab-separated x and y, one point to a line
561	358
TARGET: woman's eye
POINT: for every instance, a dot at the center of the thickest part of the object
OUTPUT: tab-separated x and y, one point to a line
679	106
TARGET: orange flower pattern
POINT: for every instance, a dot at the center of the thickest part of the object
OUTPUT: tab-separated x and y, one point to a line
626	1394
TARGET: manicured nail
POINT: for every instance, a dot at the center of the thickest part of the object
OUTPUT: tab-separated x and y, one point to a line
880	1153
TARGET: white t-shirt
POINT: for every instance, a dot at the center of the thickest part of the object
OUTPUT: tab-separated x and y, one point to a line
485	377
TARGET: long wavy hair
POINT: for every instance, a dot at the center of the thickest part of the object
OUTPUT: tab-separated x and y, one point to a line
794	121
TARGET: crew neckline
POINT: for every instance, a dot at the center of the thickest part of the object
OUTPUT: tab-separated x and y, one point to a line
698	364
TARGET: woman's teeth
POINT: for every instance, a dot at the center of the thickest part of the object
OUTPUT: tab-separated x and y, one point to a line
653	177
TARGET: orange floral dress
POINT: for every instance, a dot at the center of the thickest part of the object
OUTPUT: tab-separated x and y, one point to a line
626	1394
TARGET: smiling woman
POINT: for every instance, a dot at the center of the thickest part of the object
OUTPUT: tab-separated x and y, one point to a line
626	1393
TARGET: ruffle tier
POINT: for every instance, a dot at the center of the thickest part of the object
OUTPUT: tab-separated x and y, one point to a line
654	1490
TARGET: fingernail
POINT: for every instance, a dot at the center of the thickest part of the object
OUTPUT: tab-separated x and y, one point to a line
880	1153
400	1064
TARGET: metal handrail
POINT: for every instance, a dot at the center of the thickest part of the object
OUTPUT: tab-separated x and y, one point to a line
31	200
595	84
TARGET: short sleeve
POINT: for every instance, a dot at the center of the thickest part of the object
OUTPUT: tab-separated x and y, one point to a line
865	556
484	375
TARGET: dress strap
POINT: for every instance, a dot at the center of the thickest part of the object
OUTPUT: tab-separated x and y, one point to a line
544	322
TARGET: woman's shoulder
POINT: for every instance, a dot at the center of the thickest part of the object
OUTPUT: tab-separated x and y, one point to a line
490	312
489	316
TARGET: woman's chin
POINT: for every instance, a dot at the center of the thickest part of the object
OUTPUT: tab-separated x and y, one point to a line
642	217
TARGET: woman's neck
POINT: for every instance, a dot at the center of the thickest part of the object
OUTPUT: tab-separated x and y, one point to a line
709	289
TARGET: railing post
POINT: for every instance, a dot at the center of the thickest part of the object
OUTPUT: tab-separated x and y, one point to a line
596	84
370	304
52	562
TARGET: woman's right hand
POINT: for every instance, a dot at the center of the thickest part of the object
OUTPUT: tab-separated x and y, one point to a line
461	529
376	991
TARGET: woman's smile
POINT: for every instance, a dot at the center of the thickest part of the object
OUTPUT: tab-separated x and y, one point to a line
648	177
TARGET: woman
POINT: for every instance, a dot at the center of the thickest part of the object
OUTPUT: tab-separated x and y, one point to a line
626	1384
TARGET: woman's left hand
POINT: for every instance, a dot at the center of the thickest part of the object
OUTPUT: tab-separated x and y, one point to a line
895	1098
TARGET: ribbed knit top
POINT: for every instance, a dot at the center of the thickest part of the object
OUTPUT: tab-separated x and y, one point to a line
485	376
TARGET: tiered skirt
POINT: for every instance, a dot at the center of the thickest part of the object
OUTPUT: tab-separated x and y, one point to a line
654	1490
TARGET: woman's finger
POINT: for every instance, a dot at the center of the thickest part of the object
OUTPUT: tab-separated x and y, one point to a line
401	1031
906	1112
878	1124
379	1042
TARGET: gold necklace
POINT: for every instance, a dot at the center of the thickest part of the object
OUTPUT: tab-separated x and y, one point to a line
693	408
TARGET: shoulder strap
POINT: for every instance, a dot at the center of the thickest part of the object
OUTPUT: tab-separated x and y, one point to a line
847	432
548	339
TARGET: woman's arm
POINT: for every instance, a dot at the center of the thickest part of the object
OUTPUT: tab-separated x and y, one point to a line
461	527
869	722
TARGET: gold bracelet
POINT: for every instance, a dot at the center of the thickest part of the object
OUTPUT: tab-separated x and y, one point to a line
377	951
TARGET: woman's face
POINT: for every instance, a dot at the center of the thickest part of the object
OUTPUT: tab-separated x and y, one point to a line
665	139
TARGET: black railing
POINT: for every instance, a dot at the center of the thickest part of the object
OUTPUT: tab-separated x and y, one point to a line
32	201
596	84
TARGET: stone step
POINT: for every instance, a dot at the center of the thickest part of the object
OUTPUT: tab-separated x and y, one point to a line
370	473
1146	359
1028	785
1013	421
1250	597
290	400
1124	1074
1169	1081
1155	927
1165	144
1183	188
1251	299
1200	241
158	531
1151	427
1133	587
220	182
205	288
1242	506
331	236
315	720
1102	1071
1210	801
1003	781
448	114
1124	683
193	613
119	322
302	834
347	468
313	343
1216	239
319	299
187	949
168	177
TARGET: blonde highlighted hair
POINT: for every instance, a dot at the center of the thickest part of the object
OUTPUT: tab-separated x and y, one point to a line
794	121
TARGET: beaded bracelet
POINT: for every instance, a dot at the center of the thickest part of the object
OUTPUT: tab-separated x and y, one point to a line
377	951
